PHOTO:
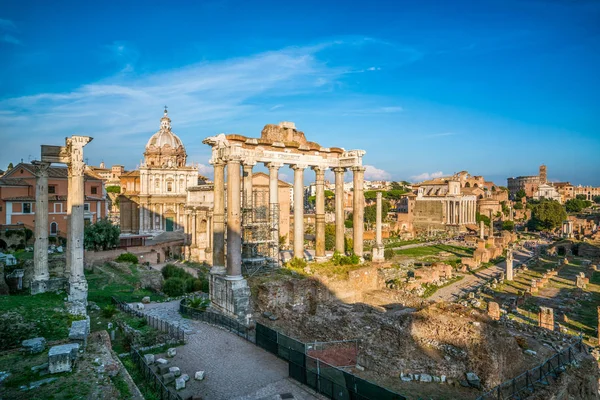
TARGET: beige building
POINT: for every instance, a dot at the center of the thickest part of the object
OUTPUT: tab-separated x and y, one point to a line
546	191
529	184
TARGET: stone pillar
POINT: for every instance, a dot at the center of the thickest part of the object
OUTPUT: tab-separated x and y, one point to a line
509	265
491	225
358	209
247	200
234	224
339	210
546	318
298	211
494	310
218	266
40	246
77	284
378	249
320	213
481	230
194	228
274	199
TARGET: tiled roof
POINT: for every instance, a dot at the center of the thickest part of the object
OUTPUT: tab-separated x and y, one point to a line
54	172
51	197
13	182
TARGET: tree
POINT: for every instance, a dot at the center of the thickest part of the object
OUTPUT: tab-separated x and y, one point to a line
547	216
485	219
520	194
508	226
329	236
576	205
371	212
395	194
518	205
113	189
102	235
580	197
10	166
596	199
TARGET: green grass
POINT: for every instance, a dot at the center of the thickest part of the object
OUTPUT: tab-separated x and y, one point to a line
122	387
435	250
139	380
431	289
399	243
23	255
102	287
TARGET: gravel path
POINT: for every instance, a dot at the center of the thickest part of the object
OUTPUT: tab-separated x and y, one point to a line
235	368
470	281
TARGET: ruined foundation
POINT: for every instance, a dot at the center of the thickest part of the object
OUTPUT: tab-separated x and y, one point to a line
231	297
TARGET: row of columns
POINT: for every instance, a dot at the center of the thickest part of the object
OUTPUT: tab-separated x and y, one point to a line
460	212
234	226
148	214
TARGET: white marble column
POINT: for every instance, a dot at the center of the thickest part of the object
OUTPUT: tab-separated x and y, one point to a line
247	184
320	213
298	211
194	228
274	199
219	219
339	210
358	209
378	249
234	223
77	283
40	246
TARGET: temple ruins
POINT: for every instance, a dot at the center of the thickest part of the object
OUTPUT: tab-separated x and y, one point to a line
72	155
278	145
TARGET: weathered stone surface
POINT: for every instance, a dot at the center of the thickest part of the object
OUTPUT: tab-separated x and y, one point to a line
162	361
425	378
35	345
168	378
530	352
175	371
473	380
61	358
139	306
179	383
185	377
146	300
79	331
199	375
162	369
37	384
149	358
172	352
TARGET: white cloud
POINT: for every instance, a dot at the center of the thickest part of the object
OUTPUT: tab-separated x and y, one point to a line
206	170
10	39
426	175
9	29
376	174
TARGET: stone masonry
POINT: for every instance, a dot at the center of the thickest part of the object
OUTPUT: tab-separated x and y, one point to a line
494	310
546	318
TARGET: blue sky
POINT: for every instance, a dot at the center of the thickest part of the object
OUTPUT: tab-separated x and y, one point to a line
492	87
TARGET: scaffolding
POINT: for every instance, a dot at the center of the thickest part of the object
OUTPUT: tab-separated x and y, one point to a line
260	234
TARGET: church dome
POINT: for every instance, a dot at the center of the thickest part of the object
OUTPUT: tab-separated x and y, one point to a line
165	149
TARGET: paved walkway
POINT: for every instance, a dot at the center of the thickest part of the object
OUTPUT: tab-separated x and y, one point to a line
235	368
472	281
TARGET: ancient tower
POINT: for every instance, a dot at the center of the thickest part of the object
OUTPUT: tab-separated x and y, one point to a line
543	174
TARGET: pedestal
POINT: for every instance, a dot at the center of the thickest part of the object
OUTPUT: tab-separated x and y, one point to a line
231	297
378	254
77	299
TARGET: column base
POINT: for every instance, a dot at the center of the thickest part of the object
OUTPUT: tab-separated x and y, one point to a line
217	270
231	297
77	298
378	254
321	258
47	285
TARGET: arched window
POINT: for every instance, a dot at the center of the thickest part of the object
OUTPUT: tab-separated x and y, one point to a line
169	186
53	228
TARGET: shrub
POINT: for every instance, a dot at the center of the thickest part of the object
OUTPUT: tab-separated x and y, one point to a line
199	303
388	254
193	285
339	259
173	271
109	311
174	287
127	257
297	263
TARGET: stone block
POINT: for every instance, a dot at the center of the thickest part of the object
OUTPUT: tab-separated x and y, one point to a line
61	358
199	375
172	352
79	331
149	358
35	345
426	378
175	371
168	378
162	361
185	377
139	306
179	383
406	377
473	380
146	300
162	369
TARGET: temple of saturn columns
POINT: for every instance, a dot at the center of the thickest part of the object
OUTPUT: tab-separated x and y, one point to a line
72	155
278	145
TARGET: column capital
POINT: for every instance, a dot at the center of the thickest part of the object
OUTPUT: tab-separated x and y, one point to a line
339	170
234	159
358	168
248	164
319	170
217	163
273	165
297	167
41	168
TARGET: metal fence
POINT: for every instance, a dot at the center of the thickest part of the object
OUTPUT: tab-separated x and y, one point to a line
340	353
153	380
172	330
537	377
217	319
324	378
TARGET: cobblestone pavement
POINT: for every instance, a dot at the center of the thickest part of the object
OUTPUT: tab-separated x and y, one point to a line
235	368
470	281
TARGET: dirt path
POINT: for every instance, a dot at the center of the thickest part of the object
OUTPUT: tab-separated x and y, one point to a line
472	281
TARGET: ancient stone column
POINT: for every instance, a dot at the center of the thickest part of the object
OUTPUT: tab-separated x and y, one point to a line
378	249
274	199
234	223
219	219
491	225
320	213
339	210
298	211
509	265
546	318
481	230
247	201
358	209
40	246
77	282
194	228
